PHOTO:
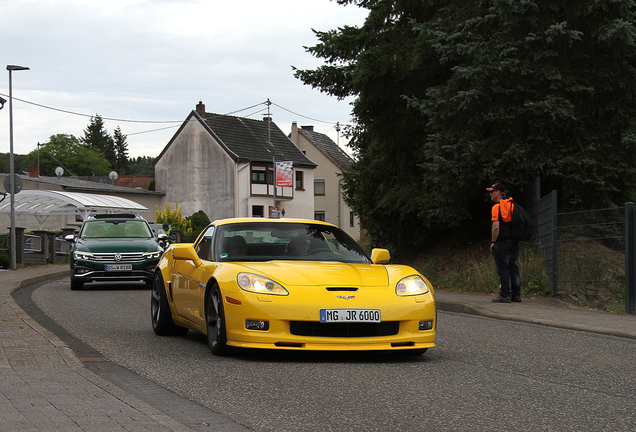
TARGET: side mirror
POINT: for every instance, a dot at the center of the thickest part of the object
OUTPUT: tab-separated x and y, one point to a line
380	256
162	237
185	252
70	238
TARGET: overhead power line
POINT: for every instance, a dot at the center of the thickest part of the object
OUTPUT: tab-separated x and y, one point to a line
91	115
166	121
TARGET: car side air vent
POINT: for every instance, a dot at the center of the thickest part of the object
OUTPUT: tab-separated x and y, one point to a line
342	289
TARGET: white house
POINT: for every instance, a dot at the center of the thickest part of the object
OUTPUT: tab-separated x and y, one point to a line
333	165
223	165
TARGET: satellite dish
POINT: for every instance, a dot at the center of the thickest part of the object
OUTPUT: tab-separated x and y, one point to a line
59	171
113	175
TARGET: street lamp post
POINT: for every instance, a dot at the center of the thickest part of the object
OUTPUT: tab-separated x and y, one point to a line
12	68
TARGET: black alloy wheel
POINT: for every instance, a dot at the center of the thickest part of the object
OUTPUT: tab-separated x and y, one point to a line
162	323
215	322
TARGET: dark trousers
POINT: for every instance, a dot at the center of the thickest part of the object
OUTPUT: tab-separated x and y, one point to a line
506	253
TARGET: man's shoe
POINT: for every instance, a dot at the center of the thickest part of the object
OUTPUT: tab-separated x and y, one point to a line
501	299
516	299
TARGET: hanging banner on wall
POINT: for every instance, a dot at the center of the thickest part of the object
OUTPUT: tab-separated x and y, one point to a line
284	174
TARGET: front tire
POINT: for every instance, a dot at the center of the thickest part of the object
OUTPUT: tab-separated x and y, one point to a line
162	323
215	323
76	285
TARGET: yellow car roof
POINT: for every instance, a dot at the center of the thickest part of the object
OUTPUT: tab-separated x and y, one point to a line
260	219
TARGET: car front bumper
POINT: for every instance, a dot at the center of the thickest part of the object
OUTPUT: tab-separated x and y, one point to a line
87	272
298	326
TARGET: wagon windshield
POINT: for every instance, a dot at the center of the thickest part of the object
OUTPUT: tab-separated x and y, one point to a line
262	241
115	229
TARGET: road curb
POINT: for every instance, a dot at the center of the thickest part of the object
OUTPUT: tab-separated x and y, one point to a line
471	310
42	278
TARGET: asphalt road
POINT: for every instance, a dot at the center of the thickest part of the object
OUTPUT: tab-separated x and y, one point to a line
484	375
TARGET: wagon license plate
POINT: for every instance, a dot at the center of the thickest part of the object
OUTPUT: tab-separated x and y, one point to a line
117	267
349	315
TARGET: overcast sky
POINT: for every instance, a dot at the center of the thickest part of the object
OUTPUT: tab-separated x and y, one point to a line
154	60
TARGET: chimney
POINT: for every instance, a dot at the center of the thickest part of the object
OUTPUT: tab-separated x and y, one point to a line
294	133
34	171
307	128
267	119
201	109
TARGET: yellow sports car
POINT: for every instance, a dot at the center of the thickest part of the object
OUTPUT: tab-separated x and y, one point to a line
290	284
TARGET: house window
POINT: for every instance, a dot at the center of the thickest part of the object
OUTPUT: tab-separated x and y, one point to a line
300	184
258	176
258	211
319	187
351	219
319	216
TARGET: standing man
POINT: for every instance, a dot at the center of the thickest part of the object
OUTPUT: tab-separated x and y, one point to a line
504	247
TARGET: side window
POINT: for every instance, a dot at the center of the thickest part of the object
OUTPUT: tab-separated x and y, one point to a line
258	211
319	187
204	247
300	182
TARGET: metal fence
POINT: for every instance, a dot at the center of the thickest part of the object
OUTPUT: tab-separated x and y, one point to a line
589	253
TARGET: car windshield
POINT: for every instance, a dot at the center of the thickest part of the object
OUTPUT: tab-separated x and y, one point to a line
263	241
115	229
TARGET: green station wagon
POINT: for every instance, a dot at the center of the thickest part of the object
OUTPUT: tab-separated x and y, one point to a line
113	247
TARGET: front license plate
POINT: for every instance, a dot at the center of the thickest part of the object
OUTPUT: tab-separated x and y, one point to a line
349	315
117	267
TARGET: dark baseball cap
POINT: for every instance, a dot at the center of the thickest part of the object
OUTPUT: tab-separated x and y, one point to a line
496	187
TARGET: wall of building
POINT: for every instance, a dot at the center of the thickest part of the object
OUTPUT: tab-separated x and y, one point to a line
331	203
301	204
198	172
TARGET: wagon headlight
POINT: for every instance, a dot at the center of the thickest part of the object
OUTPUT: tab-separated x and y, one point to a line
86	256
152	255
411	285
259	284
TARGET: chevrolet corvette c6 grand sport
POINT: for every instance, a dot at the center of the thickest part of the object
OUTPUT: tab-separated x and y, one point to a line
290	284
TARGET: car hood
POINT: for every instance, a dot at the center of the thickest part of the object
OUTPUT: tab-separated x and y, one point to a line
320	273
113	245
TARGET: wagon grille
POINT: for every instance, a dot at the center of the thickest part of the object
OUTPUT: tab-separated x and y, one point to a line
344	330
125	257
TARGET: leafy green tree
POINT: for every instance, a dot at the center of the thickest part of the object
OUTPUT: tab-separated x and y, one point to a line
451	96
66	151
96	137
535	88
121	149
375	63
141	165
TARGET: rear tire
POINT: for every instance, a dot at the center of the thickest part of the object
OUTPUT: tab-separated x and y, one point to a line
215	323
162	323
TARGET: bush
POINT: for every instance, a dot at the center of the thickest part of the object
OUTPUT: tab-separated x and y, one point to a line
174	218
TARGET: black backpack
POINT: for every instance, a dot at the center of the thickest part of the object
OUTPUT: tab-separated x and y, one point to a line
522	224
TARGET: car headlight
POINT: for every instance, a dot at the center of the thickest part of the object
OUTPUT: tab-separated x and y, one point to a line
86	256
259	284
152	255
411	285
